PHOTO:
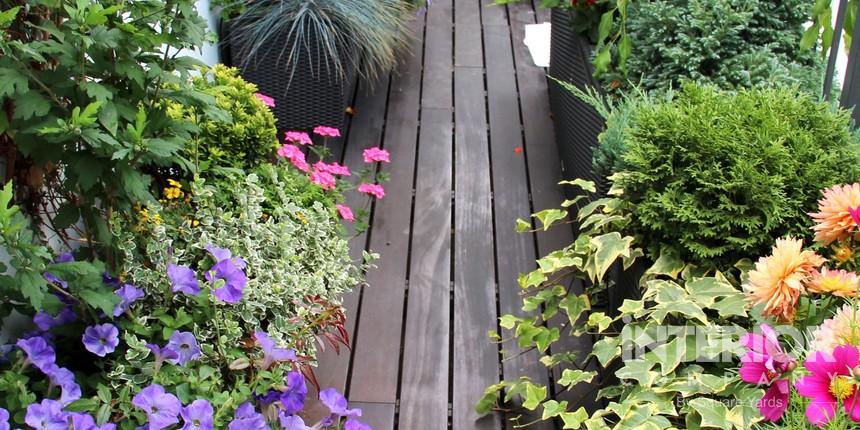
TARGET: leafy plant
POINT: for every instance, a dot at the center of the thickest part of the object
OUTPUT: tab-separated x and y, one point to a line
732	44
338	35
717	175
83	90
822	25
244	139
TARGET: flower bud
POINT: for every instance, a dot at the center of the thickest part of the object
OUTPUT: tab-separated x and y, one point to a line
791	366
856	373
239	364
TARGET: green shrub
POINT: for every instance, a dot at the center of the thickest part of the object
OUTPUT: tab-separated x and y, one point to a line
718	175
247	138
729	43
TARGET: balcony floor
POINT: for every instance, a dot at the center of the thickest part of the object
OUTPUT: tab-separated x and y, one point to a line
466	120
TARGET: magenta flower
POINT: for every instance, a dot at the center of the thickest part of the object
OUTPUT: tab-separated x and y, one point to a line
185	345
324	180
763	364
295	155
333	168
855	214
47	415
373	155
337	404
299	137
39	352
324	131
293	400
345	212
128	294
830	383
375	190
247	418
198	416
162	408
271	352
268	101
183	279
101	339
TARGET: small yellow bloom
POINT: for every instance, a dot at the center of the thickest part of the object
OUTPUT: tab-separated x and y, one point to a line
843	253
195	223
174	184
302	218
156	219
172	193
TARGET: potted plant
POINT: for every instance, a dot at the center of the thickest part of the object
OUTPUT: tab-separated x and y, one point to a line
308	54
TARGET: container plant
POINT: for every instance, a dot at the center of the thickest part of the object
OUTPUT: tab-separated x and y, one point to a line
308	54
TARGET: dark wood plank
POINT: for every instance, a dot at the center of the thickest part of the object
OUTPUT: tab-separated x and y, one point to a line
376	360
468	51
544	172
438	56
476	360
366	131
379	416
424	385
516	252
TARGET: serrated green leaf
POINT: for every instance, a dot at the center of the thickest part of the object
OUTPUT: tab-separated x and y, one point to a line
103	299
12	82
33	105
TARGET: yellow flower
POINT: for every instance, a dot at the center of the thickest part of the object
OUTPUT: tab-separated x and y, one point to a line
302	217
174	184
778	280
156	218
833	220
843	253
840	283
172	193
842	329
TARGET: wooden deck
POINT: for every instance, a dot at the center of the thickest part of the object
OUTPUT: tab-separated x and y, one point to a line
466	120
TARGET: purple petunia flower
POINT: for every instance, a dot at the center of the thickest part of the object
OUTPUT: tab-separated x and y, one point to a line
65	257
4	419
47	415
337	404
198	415
185	345
271	353
65	379
354	424
101	339
128	294
39	352
162	408
183	279
230	270
247	418
293	399
161	354
291	422
46	321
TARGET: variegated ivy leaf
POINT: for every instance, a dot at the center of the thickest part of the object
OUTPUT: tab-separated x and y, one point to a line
531	279
668	355
638	370
607	249
571	377
523	225
705	291
558	260
548	217
713	413
574	305
660	404
632	307
606	349
574	420
697	383
534	395
552	408
684	309
581	183
599	320
669	264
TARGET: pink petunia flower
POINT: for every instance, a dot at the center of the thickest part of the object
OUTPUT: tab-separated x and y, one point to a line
295	155
333	168
764	364
326	131
373	155
345	212
323	179
830	383
299	137
268	101
375	190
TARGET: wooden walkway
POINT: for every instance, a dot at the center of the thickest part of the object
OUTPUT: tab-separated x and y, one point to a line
466	120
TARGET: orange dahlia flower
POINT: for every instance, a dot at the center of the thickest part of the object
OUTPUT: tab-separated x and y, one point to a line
837	216
778	280
837	282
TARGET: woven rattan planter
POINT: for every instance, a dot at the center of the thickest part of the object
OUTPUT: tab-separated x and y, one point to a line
314	95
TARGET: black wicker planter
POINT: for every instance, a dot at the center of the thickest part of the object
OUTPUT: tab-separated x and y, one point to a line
577	124
315	95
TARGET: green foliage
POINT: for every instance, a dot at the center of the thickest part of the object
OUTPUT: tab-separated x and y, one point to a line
297	265
244	139
822	25
718	175
732	44
341	35
83	85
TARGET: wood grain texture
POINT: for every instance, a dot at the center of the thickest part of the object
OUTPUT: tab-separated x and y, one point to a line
379	416
376	360
468	51
438	85
424	386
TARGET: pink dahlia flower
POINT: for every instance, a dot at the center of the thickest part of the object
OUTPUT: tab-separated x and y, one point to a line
830	383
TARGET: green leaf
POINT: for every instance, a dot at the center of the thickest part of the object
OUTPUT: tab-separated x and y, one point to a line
552	408
12	82
605	25
109	119
607	249
602	61
581	183
599	320
490	398
34	104
574	420
638	370
574	305
104	393
33	286
571	377
669	355
103	299
534	396
713	413
606	349
82	405
549	216
508	321
523	226
669	263
624	49
810	36
631	307
7	17
67	215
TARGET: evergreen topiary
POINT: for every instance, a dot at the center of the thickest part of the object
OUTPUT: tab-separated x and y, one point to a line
717	175
732	44
245	139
